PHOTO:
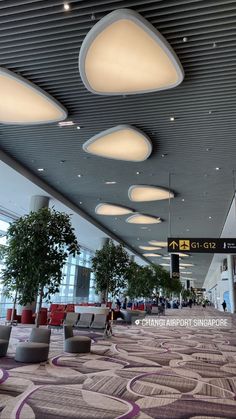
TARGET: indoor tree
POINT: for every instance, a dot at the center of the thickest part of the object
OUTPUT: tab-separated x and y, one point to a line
140	281
38	245
110	266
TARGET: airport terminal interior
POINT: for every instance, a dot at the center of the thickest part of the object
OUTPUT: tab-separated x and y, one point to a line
117	209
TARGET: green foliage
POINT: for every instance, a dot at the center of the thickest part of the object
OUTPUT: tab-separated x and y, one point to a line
140	281
2	251
38	246
146	281
110	266
186	294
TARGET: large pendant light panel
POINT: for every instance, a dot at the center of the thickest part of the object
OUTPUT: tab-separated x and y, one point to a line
124	54
23	103
123	142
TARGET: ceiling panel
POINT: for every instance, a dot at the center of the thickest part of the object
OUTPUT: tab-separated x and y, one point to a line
41	42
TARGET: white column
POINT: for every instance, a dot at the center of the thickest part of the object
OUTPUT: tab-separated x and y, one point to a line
103	242
37	202
231	288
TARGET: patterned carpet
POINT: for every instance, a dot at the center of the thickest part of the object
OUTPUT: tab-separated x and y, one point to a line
140	372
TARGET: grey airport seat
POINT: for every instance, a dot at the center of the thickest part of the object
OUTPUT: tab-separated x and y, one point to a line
36	349
75	344
71	319
5	332
99	321
85	320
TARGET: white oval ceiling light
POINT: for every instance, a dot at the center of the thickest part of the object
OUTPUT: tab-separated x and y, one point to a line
141	193
124	54
149	248
151	255
122	142
183	255
143	219
111	209
158	243
186	264
24	103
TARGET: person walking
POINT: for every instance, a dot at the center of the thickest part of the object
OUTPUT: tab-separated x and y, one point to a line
224	305
190	302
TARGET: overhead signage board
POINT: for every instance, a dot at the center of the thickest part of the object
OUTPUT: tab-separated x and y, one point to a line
197	245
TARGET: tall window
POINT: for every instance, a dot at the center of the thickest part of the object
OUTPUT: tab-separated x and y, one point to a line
67	291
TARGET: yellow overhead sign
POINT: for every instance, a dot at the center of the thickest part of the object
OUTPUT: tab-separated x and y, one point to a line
201	245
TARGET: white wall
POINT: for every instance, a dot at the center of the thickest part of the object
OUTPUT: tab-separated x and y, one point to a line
215	280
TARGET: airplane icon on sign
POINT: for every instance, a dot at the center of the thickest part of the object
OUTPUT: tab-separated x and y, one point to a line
184	244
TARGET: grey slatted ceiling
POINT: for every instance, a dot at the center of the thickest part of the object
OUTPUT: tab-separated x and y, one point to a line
40	41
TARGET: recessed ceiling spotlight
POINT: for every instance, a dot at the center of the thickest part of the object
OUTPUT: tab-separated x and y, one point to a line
141	193
208	149
123	142
217	168
143	219
66	6
78	127
172	118
187	229
124	54
182	199
111	209
110	182
210	217
66	124
164	155
150	248
40	169
138	173
79	175
81	202
23	103
138	238
158	243
185	39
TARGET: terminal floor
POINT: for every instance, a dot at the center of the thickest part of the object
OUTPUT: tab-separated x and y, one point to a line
140	372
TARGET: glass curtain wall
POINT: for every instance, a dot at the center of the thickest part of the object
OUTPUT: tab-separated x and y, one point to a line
67	293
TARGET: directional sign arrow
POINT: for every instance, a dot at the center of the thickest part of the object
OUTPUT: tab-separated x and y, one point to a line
173	245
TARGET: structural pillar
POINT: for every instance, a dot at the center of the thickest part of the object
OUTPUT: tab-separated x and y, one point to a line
174	265
103	242
36	203
232	289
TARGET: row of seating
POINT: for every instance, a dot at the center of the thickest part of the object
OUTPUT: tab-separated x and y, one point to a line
77	320
36	349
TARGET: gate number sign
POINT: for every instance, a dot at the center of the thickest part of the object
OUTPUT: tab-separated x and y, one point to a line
197	245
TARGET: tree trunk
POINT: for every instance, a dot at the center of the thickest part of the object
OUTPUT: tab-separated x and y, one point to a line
13	308
39	308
